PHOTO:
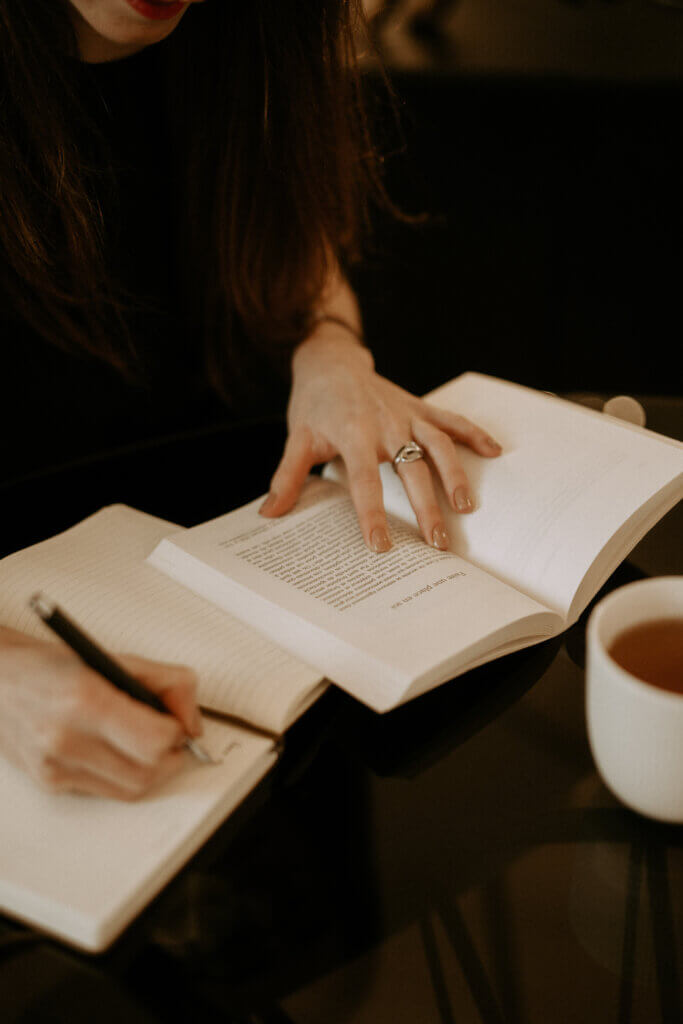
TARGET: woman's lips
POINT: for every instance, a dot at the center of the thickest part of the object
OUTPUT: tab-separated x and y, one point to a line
155	10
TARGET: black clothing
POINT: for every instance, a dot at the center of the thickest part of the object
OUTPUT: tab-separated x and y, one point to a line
74	432
57	406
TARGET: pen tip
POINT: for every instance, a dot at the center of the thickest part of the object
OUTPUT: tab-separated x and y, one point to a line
199	751
42	605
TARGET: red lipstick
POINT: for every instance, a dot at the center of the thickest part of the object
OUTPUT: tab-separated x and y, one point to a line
155	10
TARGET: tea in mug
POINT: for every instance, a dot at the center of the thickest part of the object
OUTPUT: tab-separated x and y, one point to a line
652	651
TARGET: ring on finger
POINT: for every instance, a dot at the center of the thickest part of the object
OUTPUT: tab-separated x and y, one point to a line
409	452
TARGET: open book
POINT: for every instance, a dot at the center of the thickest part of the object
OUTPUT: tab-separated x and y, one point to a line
573	492
571	495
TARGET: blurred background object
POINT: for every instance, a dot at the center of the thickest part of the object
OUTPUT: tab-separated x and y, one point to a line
616	38
542	140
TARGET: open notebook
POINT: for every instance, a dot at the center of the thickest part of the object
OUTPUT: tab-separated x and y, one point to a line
82	868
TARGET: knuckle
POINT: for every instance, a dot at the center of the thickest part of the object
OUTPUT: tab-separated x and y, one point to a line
457	477
474	434
85	696
447	462
365	476
168	736
458	426
54	738
137	786
429	513
398	428
299	444
441	447
357	437
148	773
59	741
130	796
47	774
461	423
285	477
132	788
301	436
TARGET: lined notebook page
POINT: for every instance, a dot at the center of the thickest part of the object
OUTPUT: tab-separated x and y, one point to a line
96	571
82	867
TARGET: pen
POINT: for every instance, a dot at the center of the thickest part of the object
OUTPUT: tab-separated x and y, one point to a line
98	659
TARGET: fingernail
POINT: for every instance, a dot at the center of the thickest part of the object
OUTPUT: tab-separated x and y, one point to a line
379	540
462	500
493	445
440	538
268	503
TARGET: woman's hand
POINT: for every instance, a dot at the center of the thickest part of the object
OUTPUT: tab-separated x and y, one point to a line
71	730
340	406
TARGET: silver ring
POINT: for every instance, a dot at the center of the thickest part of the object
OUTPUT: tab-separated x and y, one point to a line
409	452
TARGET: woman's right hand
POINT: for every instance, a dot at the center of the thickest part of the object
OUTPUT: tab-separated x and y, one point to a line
72	730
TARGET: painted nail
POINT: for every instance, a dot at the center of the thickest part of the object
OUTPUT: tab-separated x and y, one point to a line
379	540
462	500
268	503
440	538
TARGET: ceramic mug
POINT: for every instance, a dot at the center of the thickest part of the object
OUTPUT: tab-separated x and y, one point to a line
635	729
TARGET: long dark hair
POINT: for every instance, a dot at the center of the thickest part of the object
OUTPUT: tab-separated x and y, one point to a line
279	173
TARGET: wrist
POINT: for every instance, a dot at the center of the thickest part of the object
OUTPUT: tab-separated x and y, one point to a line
335	338
348	325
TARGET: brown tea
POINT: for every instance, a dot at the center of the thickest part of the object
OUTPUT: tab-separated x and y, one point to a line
652	651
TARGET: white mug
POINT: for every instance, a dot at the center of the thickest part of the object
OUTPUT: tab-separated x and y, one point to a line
635	729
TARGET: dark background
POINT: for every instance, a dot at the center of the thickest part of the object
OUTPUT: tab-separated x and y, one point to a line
543	138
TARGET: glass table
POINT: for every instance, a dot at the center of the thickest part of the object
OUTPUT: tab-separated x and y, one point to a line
456	860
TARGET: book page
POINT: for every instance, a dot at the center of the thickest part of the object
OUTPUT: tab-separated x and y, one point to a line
375	624
568	479
97	572
81	867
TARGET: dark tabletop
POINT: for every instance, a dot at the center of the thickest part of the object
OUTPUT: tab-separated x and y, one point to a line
458	859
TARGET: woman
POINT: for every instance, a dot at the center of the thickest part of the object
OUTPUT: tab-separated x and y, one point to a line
165	249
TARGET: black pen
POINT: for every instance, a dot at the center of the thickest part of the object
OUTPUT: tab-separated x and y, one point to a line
98	659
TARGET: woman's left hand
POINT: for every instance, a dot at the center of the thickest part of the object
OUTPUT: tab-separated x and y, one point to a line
339	405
